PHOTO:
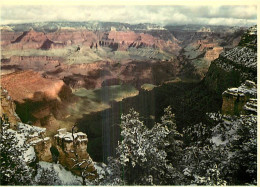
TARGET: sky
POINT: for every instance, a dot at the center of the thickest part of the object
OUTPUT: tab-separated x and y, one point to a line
245	15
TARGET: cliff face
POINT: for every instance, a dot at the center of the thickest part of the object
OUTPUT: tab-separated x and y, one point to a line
38	99
28	40
213	53
233	67
30	85
8	36
38	144
8	109
116	40
40	147
241	100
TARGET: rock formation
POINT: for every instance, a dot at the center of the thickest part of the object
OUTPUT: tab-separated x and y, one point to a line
28	40
116	40
72	149
241	99
213	53
30	135
36	137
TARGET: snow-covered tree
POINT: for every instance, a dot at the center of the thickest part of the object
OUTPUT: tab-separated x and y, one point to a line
222	153
239	134
13	169
142	156
110	174
47	176
174	138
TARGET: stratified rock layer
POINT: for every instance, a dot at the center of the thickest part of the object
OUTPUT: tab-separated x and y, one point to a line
240	100
72	150
30	85
235	66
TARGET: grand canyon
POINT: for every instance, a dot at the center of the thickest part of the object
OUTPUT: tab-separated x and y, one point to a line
66	88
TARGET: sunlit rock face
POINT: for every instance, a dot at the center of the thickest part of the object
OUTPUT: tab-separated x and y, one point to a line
31	85
28	40
116	40
39	100
72	148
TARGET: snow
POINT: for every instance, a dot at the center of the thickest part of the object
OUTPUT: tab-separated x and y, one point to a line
67	136
66	177
35	134
217	140
24	133
230	125
62	131
81	134
36	141
247	88
84	140
242	56
28	129
99	166
29	155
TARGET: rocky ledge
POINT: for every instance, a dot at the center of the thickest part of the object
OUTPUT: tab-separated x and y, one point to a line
72	148
69	149
240	100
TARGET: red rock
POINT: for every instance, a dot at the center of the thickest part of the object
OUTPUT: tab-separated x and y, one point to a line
29	84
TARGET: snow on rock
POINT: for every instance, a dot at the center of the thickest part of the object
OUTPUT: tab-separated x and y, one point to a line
63	141
226	130
67	136
243	56
65	176
248	88
28	129
240	100
29	155
37	145
251	106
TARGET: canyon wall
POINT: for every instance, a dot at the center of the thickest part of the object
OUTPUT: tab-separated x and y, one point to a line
234	66
116	40
41	145
38	99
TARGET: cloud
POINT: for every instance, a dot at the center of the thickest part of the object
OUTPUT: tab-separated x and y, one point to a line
162	15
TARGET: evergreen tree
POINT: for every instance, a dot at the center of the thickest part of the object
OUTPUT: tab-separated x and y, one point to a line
224	153
47	176
13	169
142	156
